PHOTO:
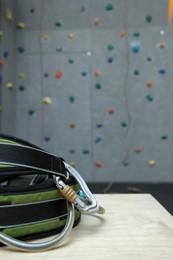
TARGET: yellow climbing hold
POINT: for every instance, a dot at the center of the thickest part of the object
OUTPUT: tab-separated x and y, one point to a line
47	100
21	25
9	15
71	36
1	33
9	85
72	164
45	36
152	163
22	75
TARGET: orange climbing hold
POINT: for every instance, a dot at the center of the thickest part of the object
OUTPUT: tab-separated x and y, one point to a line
149	84
1	63
97	21
122	34
72	125
99	164
97	73
58	74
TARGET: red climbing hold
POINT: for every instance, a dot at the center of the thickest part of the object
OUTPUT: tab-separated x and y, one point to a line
58	74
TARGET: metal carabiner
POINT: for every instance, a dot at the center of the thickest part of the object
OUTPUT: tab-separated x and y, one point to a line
88	205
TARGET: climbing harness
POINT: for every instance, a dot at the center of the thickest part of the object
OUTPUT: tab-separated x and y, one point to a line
40	195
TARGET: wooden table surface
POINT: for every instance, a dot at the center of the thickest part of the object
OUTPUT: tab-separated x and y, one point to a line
134	227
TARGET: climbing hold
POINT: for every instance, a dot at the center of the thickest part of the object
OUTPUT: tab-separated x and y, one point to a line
1	63
86	151
111	111
58	24
9	15
58	74
135	47
164	137
21	49
138	150
162	32
97	73
59	49
22	75
84	73
72	99
32	10
71	36
99	125
149	84
72	151
21	88
1	77
110	59
5	54
31	112
152	163
47	138
72	164
136	72
149	59
110	47
109	7
83	9
45	36
1	34
20	25
122	34
98	86
89	53
97	21
99	164
148	18
162	45
46	75
72	125
136	34
98	139
124	124
125	163
9	85
150	98
71	61
162	71
47	100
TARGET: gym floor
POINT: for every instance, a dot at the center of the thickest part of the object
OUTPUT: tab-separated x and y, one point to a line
162	192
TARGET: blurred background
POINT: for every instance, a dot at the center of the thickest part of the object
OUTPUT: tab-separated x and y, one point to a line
91	81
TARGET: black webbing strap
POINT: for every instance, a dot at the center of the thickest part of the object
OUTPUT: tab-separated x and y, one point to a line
16	215
29	157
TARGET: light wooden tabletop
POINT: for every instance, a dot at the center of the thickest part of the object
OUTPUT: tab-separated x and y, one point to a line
134	227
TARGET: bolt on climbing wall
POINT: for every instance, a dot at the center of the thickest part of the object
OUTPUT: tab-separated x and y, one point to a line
91	81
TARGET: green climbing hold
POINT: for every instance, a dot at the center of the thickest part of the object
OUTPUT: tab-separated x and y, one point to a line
148	18
85	151
124	124
21	88
21	49
164	137
136	34
109	7
72	99
31	112
150	98
58	24
136	72
98	86
149	59
110	47
71	61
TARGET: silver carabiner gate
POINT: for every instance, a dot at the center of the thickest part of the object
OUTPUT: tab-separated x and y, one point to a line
88	205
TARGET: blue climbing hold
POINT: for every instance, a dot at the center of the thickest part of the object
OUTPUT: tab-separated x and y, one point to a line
135	46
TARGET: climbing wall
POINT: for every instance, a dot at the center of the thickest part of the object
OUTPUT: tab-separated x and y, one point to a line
91	81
